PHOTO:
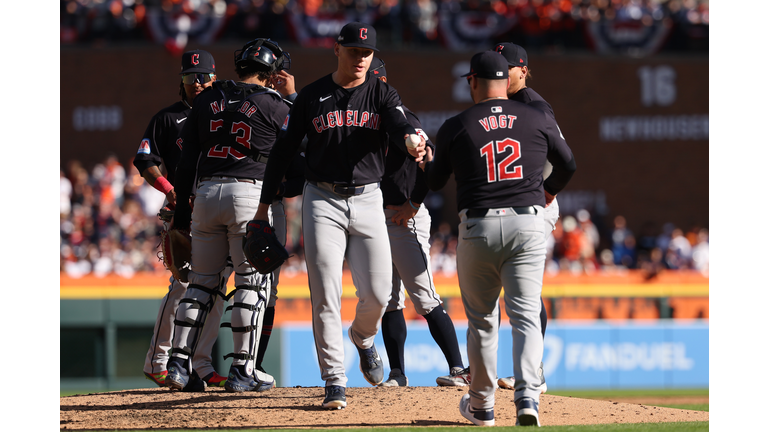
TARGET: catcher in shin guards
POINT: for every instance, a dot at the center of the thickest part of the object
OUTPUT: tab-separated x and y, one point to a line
159	148
228	136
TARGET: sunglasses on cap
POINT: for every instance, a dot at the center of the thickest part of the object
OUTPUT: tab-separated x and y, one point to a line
378	67
202	78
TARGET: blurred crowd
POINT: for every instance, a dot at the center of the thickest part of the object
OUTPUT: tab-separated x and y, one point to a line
670	25
109	225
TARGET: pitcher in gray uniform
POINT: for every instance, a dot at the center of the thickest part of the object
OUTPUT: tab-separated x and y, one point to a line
345	117
496	150
408	223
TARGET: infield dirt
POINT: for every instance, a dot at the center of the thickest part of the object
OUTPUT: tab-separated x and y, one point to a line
299	407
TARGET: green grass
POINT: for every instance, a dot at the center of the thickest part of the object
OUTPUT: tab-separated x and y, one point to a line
632	427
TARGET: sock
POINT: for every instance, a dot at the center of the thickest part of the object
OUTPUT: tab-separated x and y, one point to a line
444	334
266	332
394	332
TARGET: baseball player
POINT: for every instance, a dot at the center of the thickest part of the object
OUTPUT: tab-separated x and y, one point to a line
344	116
408	223
228	135
159	146
496	150
519	74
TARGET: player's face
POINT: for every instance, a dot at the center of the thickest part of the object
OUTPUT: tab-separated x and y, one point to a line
354	62
194	89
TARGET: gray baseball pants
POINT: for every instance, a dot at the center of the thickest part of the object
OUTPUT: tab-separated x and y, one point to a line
338	227
411	267
502	250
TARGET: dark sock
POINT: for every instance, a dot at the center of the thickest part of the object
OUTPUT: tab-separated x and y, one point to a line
266	332
394	332
444	334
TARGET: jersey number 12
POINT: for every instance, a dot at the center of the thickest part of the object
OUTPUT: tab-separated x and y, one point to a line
504	173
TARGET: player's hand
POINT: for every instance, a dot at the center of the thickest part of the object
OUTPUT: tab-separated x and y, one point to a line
549	198
404	213
262	213
427	158
284	83
171	197
419	151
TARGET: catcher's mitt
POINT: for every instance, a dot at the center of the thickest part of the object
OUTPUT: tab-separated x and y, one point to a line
262	249
176	250
166	214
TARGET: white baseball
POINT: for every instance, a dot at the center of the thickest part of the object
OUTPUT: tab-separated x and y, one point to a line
413	141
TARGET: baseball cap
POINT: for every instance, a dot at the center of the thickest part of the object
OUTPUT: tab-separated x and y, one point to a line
197	61
377	68
515	54
359	35
488	65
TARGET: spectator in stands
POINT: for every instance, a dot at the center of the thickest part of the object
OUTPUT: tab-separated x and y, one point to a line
700	252
678	254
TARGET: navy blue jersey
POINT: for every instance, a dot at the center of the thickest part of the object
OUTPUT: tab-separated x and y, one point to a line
345	131
159	144
529	97
497	150
403	179
230	126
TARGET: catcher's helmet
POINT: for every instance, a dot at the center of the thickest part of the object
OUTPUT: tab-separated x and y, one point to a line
263	55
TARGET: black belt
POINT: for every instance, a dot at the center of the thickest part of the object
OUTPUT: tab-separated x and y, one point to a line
476	213
341	189
220	178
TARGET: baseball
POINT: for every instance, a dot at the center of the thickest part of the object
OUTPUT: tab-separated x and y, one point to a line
413	141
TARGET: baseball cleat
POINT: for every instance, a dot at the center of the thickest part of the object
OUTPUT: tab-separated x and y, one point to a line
458	377
239	382
215	380
370	363
527	412
396	379
195	384
157	378
507	383
335	397
177	377
266	381
478	417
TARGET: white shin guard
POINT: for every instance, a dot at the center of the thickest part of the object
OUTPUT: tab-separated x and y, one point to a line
247	318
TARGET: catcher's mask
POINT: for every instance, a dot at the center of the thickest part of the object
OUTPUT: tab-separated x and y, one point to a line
264	55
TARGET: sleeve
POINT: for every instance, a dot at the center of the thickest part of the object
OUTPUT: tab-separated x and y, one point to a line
394	119
543	106
294	177
439	170
186	168
148	153
284	149
560	156
420	188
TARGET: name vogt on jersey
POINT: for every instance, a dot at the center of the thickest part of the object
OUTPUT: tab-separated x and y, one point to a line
494	122
341	118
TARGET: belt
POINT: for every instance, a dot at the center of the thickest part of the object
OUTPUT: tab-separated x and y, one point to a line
227	179
343	189
477	213
261	158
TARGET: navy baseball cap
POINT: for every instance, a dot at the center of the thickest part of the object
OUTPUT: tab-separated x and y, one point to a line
515	54
377	68
197	61
488	65
358	35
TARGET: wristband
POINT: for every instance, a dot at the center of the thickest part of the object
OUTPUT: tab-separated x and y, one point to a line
412	206
163	185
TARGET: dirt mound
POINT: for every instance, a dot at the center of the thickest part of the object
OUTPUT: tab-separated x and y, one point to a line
299	407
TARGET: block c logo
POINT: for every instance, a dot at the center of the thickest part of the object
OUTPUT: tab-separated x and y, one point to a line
363	33
195	59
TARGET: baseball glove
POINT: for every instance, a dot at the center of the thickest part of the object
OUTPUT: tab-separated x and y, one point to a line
176	250
262	249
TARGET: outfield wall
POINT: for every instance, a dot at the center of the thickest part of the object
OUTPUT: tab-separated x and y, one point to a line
605	331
